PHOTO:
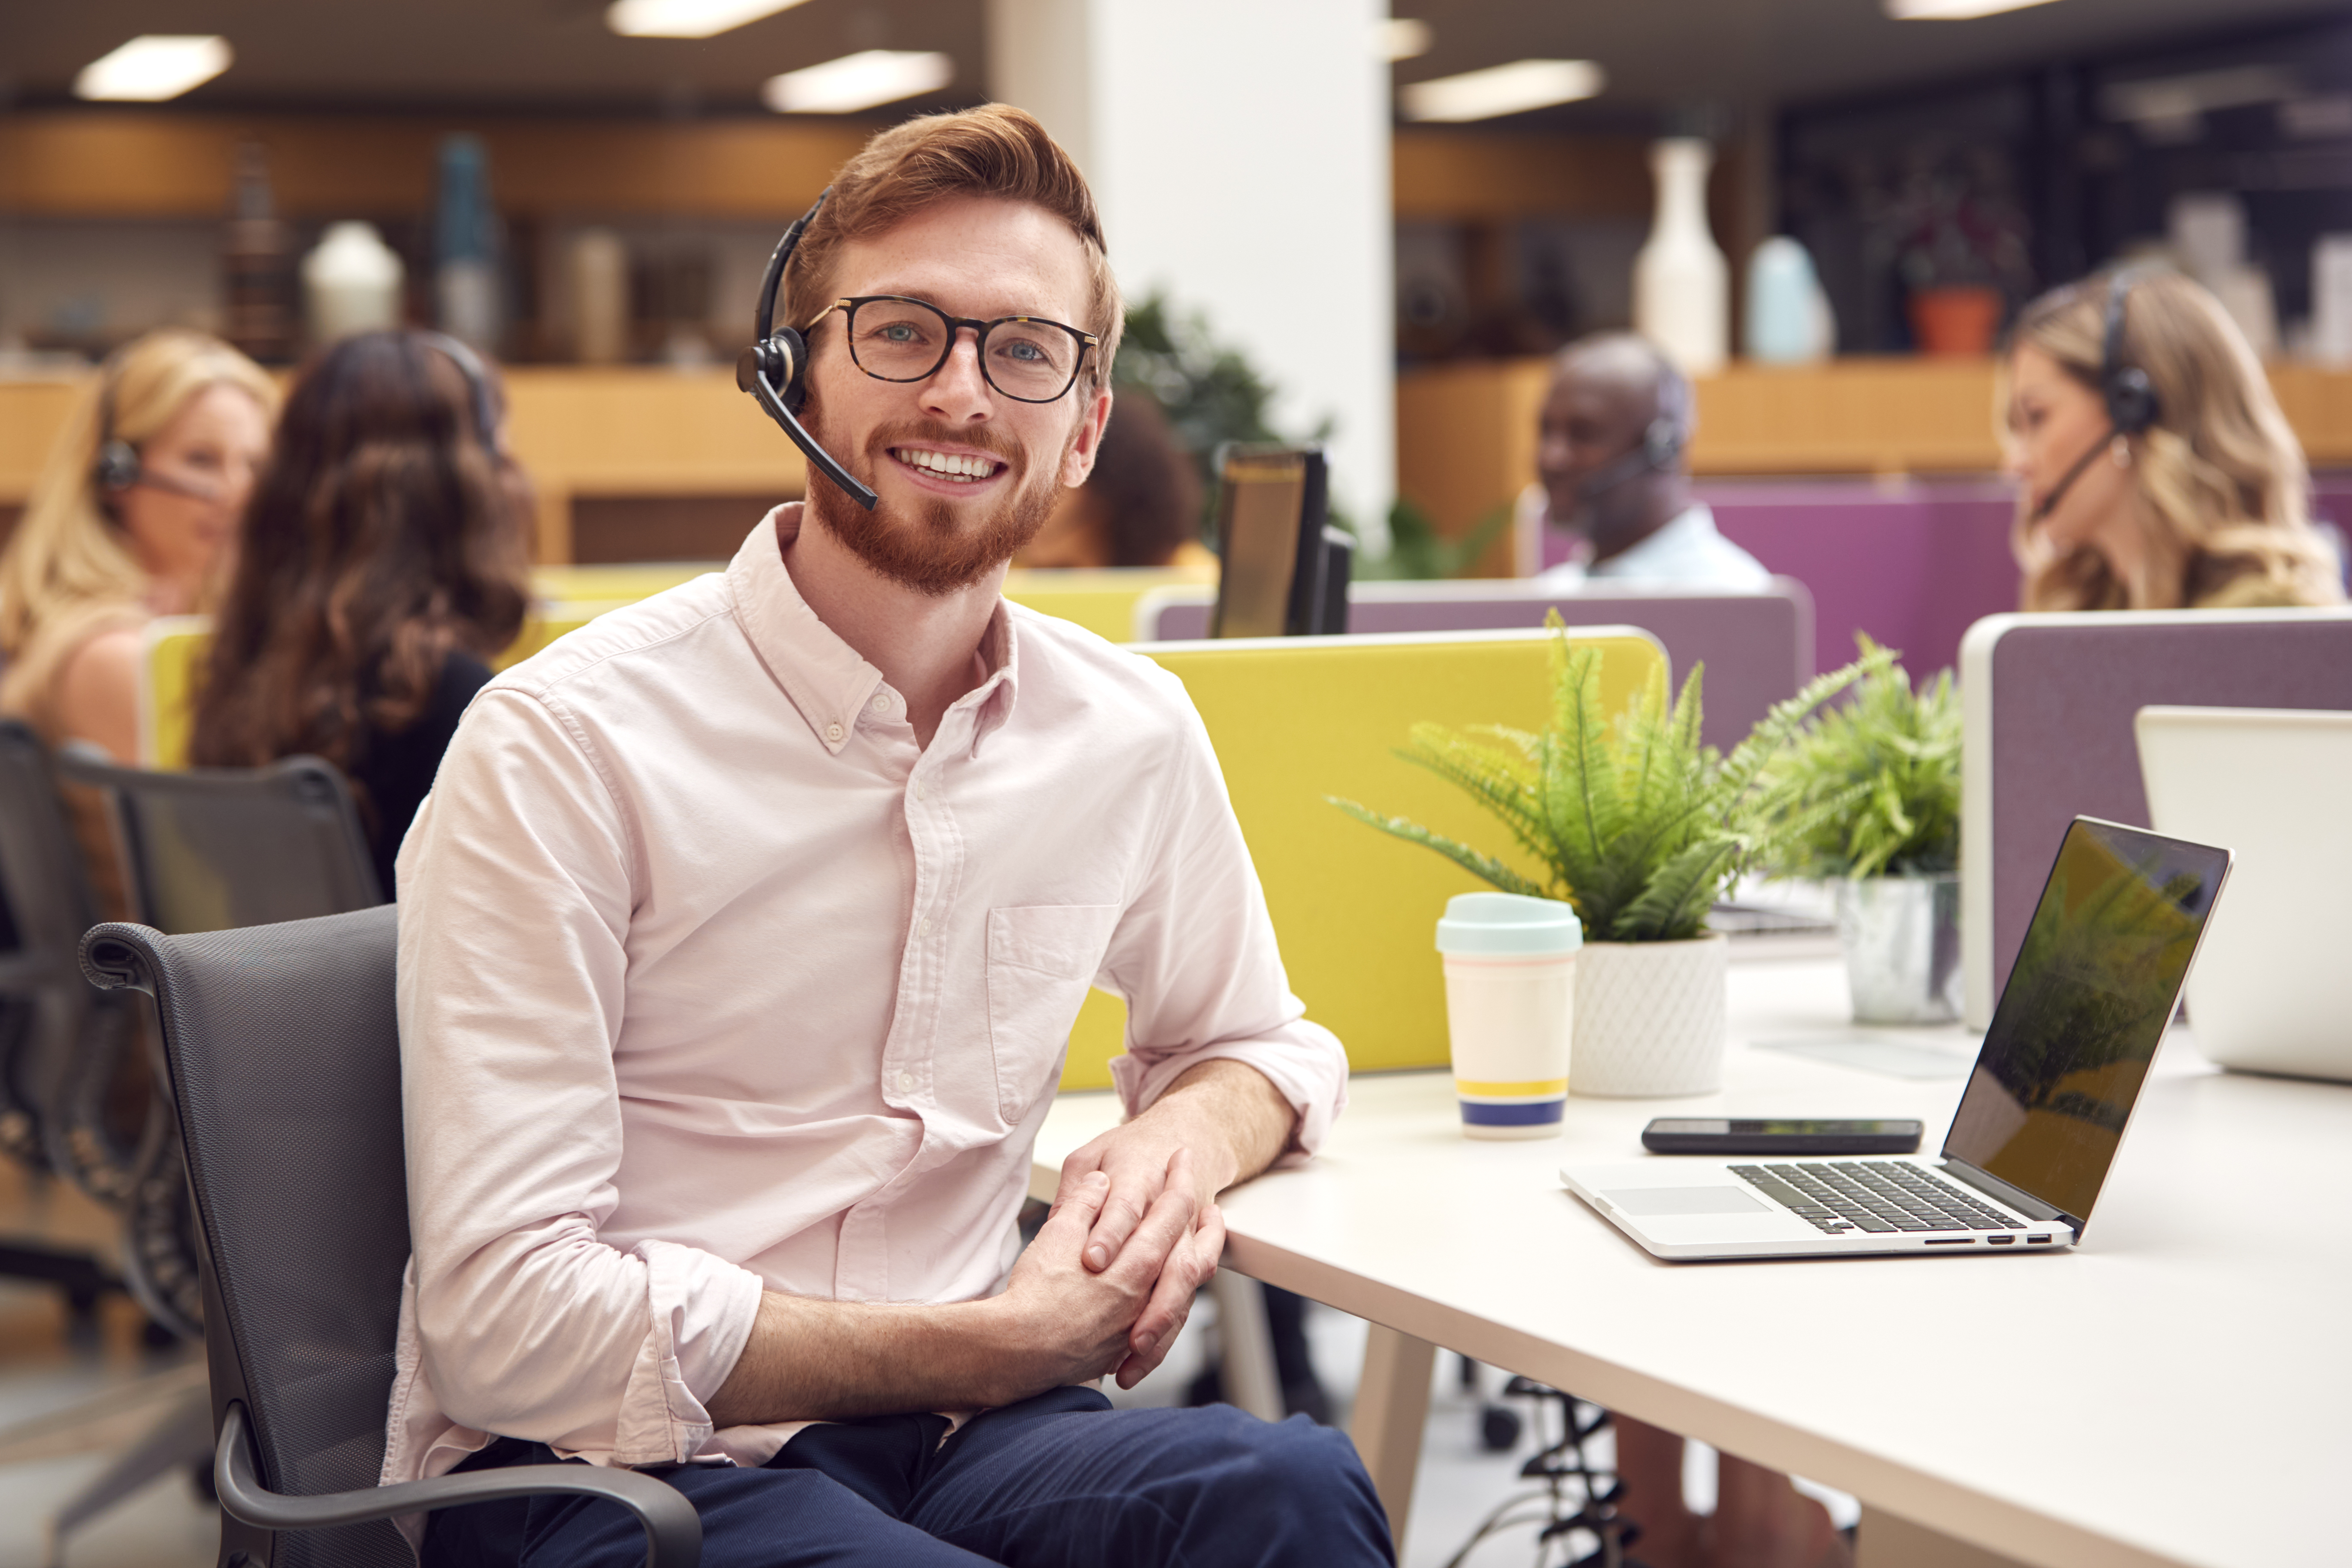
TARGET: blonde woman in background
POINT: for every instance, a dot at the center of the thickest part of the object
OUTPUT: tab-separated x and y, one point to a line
2155	470
133	517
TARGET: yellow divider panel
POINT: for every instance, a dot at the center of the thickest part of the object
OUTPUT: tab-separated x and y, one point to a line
1356	911
1102	601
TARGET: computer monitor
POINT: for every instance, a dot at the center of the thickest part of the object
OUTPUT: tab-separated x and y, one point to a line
1285	570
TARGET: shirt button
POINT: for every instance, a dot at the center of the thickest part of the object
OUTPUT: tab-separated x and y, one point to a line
923	926
918	789
833	733
906	1082
881	703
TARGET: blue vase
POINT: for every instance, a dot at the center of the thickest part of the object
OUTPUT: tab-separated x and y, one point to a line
1788	315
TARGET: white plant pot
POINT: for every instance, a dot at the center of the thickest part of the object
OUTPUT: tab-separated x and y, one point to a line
1649	1019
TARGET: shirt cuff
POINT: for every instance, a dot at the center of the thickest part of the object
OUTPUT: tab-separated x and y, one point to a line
700	1313
1304	1061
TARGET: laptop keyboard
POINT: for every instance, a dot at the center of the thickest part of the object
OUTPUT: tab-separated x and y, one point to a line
1854	1194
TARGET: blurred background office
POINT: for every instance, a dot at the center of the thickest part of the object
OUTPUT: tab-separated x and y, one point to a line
1847	227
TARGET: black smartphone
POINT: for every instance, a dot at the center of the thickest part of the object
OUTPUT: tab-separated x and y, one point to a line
1735	1135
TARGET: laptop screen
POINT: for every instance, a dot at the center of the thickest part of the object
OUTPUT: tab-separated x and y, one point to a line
2094	985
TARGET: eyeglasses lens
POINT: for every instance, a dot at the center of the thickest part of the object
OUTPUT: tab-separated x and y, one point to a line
899	340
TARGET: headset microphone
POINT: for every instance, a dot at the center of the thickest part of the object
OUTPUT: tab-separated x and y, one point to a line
774	369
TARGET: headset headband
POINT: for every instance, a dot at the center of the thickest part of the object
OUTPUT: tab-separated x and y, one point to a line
478	386
2130	396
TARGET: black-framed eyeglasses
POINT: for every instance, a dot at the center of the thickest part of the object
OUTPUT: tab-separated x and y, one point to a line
1026	358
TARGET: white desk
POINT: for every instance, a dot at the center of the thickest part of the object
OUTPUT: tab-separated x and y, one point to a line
2176	1391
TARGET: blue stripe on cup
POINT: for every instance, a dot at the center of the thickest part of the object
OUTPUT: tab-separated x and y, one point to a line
1525	1113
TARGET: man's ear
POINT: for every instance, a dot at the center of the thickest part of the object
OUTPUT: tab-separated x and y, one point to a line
1086	442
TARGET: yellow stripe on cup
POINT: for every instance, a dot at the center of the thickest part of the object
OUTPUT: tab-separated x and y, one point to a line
1530	1085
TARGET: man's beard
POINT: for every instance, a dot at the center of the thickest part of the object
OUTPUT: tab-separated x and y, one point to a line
927	548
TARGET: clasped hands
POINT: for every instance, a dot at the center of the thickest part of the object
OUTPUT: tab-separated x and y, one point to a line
1134	1233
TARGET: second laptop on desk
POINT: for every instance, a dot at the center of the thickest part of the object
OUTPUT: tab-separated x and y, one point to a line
2093	990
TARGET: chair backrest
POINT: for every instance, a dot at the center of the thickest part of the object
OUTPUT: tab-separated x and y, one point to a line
1757	647
46	1009
283	1046
213	848
1296	718
2047	705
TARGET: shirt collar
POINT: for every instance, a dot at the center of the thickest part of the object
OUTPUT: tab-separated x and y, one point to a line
827	680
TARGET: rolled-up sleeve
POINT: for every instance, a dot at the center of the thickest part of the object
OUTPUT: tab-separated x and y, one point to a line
517	884
1195	957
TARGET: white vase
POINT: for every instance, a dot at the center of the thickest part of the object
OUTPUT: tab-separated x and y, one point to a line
1902	942
1682	284
1649	1019
600	297
351	283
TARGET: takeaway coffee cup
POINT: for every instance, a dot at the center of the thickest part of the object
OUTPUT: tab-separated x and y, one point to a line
1510	986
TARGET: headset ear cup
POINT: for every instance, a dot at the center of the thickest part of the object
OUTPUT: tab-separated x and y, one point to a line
118	465
790	351
2132	403
1662	443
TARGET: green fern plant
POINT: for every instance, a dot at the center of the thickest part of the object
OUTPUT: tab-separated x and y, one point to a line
1894	755
1634	823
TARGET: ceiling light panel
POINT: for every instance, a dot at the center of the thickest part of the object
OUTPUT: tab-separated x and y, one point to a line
1953	10
1502	89
862	80
153	66
686	18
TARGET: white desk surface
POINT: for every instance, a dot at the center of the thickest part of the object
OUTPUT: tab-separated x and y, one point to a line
2177	1390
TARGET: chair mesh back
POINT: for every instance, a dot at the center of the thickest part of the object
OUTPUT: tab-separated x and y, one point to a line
46	905
215	849
284	1048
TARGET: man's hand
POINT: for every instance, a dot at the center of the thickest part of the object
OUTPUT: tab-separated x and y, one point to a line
1122	1318
1056	1322
1227	1122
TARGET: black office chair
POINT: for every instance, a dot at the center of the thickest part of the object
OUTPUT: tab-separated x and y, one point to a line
48	1016
200	850
283	1050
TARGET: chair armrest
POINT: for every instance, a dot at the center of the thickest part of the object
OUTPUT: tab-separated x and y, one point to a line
673	1529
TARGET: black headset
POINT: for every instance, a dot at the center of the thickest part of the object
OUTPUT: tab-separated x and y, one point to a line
774	369
2133	406
1661	442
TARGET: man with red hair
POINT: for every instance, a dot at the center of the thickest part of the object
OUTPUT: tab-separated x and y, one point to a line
740	940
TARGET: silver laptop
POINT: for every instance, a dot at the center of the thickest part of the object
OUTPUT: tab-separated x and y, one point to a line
2093	988
2273	990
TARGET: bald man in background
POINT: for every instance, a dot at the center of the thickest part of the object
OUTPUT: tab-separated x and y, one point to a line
1610	470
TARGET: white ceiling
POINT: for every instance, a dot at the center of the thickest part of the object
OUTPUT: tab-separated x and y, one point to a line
557	55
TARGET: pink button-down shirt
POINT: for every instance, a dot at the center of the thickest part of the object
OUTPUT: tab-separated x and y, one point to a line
712	979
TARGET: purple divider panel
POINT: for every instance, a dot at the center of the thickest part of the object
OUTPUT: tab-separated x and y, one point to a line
2064	697
1914	562
1757	647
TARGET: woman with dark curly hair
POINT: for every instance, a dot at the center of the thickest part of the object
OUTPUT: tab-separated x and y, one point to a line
1141	505
384	562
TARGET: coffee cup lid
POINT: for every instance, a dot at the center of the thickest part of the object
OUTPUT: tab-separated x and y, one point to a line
1508	925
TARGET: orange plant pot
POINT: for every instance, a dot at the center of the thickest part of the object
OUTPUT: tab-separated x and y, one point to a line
1959	320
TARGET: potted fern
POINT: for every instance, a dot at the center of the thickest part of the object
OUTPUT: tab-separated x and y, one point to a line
1639	828
1891	755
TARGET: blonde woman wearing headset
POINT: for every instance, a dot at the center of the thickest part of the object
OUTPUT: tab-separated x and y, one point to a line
2155	470
133	517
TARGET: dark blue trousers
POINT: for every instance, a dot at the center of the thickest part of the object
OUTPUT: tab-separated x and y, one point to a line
1060	1480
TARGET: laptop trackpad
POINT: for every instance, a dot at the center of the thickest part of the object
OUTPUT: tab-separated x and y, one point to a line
1681	1200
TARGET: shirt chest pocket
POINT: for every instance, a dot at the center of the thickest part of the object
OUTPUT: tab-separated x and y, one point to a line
1041	960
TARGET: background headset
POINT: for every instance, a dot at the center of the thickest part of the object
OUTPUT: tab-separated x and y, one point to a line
774	369
1661	442
2133	406
477	387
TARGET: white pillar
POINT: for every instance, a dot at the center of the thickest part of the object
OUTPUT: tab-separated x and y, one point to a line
1240	154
